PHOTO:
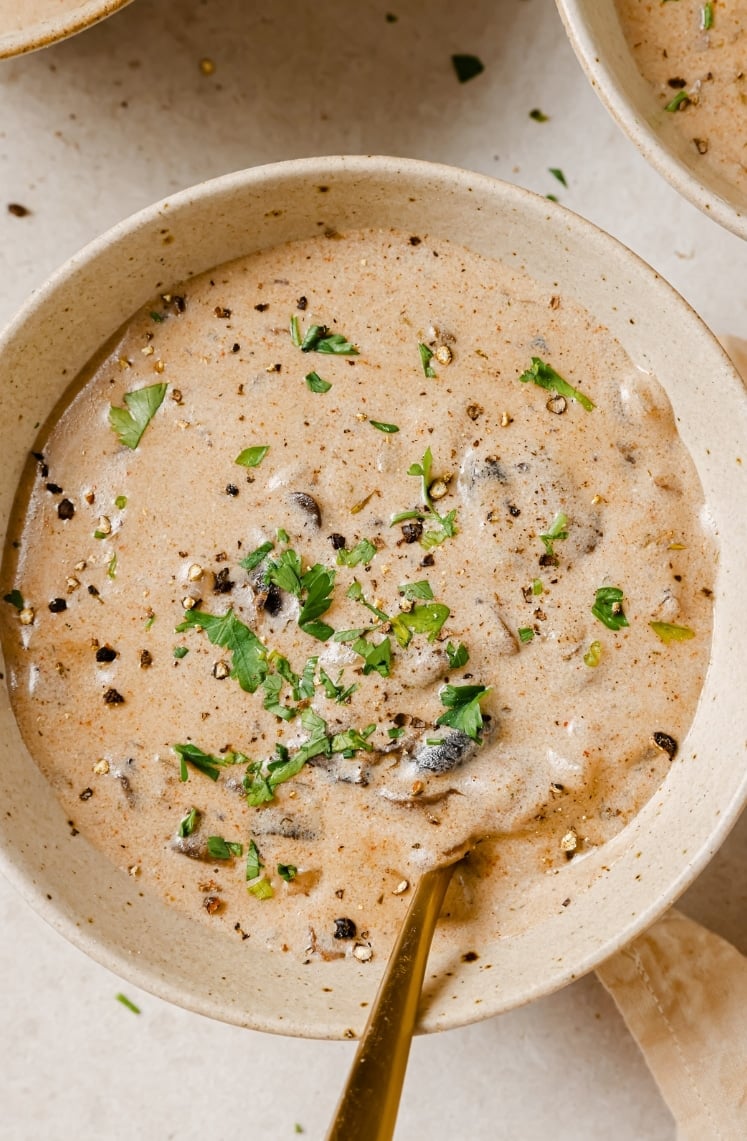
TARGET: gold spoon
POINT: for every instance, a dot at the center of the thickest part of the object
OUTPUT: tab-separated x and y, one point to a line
367	1110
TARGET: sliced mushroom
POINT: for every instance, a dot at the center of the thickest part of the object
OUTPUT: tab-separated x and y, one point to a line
445	756
308	505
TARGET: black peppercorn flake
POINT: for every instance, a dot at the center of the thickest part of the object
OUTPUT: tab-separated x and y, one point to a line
301	303
65	509
113	697
86	794
412	531
235	347
262	307
222	584
57	605
664	742
345	929
337	541
428	561
54	489
231	489
93	590
105	654
146	659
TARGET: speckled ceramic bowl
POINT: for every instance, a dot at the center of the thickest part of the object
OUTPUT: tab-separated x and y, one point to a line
26	25
615	891
598	40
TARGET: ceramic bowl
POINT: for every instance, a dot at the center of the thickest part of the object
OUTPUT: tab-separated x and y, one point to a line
26	25
617	890
598	40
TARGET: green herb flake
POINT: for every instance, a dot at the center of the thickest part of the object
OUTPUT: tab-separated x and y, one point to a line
206	763
272	686
526	634
556	172
546	377
254	863
377	657
679	103
389	429
141	406
608	607
706	17
315	383
180	652
463	708
593	655
668	632
149	621
537	587
416	590
552	197
467	67
188	823
318	583
157	317
220	849
395	733
257	556
120	502
446	524
557	531
262	889
427	618
288	872
15	598
458	655
333	690
362	552
295	332
352	741
128	1003
252	457
319	339
249	656
538	116
426	356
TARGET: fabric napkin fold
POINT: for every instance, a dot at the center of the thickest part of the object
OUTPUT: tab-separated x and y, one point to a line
683	994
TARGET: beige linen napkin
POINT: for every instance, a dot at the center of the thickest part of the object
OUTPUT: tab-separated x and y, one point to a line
683	994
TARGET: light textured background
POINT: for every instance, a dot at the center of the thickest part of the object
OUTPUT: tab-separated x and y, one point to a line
122	115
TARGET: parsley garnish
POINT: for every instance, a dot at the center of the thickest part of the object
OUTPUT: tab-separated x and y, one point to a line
427	618
272	685
125	1000
362	552
526	634
376	656
15	598
205	763
288	872
538	116
414	590
546	377
556	172
111	567
467	67
669	632
319	339
458	655
395	733
252	457
180	651
333	690
254	863
142	404
314	588
447	527
557	531
221	849
426	356
262	889
249	656
390	429
608	607
316	384
680	101
121	502
352	741
256	557
463	708
706	17
593	655
189	822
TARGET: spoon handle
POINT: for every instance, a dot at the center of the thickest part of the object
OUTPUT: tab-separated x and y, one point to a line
367	1110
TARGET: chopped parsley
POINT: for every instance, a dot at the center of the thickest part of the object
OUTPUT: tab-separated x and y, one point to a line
463	708
556	172
319	339
526	634
427	618
125	1000
15	598
414	590
257	556
262	889
206	763
546	377
180	651
395	732
426	356
608	607
557	531
220	849
669	632
252	457
377	657
458	655
333	690
254	863
249	656
352	741
446	524
120	502
467	67
142	404
706	17
679	103
272	686
362	552
188	823
111	567
538	116
390	429
316	384
593	655
313	587
288	872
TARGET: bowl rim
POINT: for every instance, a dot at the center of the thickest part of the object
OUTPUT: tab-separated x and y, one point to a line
506	194
590	52
52	29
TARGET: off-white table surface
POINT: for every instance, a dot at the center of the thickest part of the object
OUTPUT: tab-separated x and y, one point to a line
116	118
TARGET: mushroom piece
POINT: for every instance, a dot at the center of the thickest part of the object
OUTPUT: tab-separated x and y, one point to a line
446	755
308	505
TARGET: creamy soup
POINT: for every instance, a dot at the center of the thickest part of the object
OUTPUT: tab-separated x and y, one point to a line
340	560
694	55
16	17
